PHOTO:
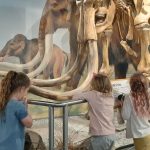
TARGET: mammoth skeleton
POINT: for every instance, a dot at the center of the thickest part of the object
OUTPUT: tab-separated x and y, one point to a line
92	24
137	40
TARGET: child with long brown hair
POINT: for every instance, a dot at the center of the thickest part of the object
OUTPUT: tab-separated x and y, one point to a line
136	110
101	112
13	110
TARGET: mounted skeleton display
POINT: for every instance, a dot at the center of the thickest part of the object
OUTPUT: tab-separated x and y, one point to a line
96	28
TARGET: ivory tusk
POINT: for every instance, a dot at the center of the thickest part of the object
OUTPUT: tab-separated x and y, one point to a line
57	81
45	60
20	67
92	67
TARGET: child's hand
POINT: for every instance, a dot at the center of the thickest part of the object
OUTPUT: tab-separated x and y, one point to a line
118	104
25	101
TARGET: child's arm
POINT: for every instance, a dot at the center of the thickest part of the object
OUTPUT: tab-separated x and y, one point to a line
118	104
22	114
82	96
126	109
27	121
119	101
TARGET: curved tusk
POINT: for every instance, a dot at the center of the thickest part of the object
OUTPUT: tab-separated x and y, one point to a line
60	80
57	81
45	60
20	67
92	67
64	78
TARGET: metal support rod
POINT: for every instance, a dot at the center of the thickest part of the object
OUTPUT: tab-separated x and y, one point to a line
65	127
51	128
51	106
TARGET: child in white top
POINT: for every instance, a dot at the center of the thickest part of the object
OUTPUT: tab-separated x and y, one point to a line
136	110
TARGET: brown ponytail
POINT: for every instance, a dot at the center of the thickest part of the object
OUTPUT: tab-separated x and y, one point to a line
9	84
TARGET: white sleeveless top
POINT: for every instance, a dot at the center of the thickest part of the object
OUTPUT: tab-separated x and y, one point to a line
136	127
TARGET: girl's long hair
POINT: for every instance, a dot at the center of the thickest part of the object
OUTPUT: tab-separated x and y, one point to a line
140	96
101	83
11	82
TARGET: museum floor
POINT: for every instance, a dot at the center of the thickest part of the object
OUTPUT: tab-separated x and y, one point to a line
78	131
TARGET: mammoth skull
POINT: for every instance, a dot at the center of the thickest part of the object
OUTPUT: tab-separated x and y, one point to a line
104	12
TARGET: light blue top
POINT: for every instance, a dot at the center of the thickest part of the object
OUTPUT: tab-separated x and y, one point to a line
11	129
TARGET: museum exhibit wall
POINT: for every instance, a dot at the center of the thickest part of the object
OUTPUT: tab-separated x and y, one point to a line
23	17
